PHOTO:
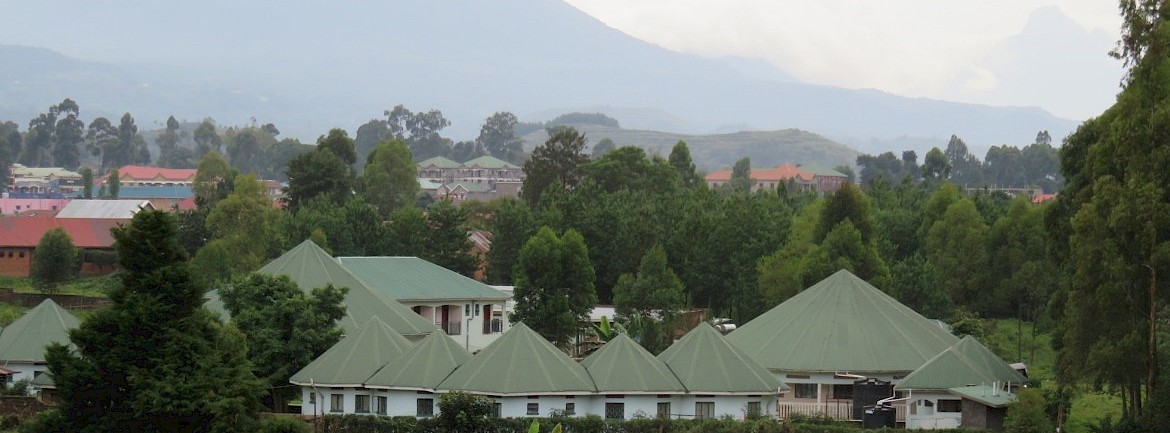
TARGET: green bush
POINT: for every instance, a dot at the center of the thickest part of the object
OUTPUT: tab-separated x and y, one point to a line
284	424
49	421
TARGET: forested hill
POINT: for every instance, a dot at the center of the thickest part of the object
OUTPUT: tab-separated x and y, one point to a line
714	151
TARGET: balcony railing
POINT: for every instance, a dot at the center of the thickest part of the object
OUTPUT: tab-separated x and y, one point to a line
835	410
454	327
497	325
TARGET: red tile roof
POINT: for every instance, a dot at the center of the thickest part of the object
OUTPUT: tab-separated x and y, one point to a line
142	172
779	173
1043	198
86	232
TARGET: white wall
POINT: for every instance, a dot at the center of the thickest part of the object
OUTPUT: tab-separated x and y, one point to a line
471	336
734	406
921	416
25	370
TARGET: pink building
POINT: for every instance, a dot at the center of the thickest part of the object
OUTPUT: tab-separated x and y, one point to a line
12	206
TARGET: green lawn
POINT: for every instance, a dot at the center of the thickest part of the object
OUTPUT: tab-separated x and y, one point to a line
85	286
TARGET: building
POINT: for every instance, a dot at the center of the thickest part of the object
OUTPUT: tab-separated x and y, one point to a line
471	312
837	331
10	205
827	180
43	182
22	343
791	176
340	373
405	384
19	238
103	209
311	267
482	178
633	381
141	175
933	402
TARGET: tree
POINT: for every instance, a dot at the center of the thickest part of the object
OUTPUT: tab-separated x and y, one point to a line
936	167
512	224
54	261
130	148
113	183
957	246
155	359
214	179
446	243
1026	414
286	327
68	135
845	248
407	233
628	168
420	131
557	161
847	203
368	136
461	412
497	136
389	180
554	285
338	142
655	291
318	173
87	183
602	147
245	222
917	284
207	139
741	176
101	139
680	159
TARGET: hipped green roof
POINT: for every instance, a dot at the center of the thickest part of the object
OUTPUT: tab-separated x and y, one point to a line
622	366
423	367
311	267
438	161
25	339
520	362
966	363
841	324
488	161
706	363
415	279
984	394
43	380
355	358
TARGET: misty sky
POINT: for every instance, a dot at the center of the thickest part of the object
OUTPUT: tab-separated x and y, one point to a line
967	51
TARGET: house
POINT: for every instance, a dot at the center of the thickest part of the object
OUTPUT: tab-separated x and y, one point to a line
461	191
404	384
311	267
19	238
984	406
827	180
22	343
721	380
632	382
471	312
791	176
104	209
438	169
141	175
333	382
482	178
43	182
932	403
837	331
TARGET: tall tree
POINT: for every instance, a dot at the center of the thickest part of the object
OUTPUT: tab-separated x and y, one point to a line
935	167
554	285
446	243
557	161
113	184
741	176
389	180
602	147
131	148
68	135
847	203
680	159
957	245
318	173
511	225
420	131
498	138
207	139
368	136
286	328
101	139
87	183
38	143
171	154
54	261
654	291
337	141
155	360
214	180
244	223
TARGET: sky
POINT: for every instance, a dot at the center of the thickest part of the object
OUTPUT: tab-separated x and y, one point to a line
980	51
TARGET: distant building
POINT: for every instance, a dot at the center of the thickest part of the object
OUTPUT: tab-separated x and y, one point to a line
103	209
22	343
43	182
19	238
141	175
482	178
809	177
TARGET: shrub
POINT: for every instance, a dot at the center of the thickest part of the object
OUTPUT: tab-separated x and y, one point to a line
460	412
284	424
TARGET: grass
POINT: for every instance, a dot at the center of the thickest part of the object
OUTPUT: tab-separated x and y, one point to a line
84	286
9	313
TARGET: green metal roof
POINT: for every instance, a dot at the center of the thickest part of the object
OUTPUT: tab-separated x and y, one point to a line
966	363
706	363
622	366
520	362
311	267
488	161
355	358
414	279
841	324
43	380
24	340
423	367
439	162
987	395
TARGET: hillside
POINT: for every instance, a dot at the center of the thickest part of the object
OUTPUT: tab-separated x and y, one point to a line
714	151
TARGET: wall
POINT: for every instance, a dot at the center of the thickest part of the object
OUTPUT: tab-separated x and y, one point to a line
921	416
10	206
471	336
24	370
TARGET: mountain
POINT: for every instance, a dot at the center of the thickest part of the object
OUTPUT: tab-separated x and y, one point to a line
318	64
715	151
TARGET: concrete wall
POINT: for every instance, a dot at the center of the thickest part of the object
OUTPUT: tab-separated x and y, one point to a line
922	411
24	370
9	206
470	333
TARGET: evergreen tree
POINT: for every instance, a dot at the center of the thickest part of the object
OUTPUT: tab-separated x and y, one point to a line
655	291
957	246
113	184
446	242
557	161
512	224
680	159
741	176
87	183
389	180
554	285
155	360
54	261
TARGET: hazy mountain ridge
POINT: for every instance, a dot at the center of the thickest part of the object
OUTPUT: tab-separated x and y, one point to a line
326	64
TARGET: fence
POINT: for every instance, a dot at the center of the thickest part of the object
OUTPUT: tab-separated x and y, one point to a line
837	410
72	302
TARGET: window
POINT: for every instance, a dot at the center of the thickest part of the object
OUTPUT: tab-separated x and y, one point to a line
704	410
753	409
843	392
806	390
533	409
361	404
497	409
22	254
487	319
570	409
664	409
615	410
382	405
336	403
426	408
312	398
953	406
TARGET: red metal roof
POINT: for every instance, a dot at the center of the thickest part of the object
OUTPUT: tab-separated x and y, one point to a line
86	232
142	172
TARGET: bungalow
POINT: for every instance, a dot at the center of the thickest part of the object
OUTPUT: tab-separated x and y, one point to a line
932	403
835	332
310	267
720	379
340	373
471	312
406	385
22	343
632	382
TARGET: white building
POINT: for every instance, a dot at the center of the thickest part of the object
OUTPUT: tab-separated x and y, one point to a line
22	343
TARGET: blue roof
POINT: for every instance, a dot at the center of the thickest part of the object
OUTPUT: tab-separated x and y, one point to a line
146	192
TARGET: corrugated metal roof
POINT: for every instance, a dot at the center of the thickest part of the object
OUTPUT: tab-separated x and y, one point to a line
841	324
438	161
25	339
423	367
113	209
488	161
622	366
355	358
311	267
986	395
85	232
149	192
966	363
520	362
414	279
143	173
706	363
